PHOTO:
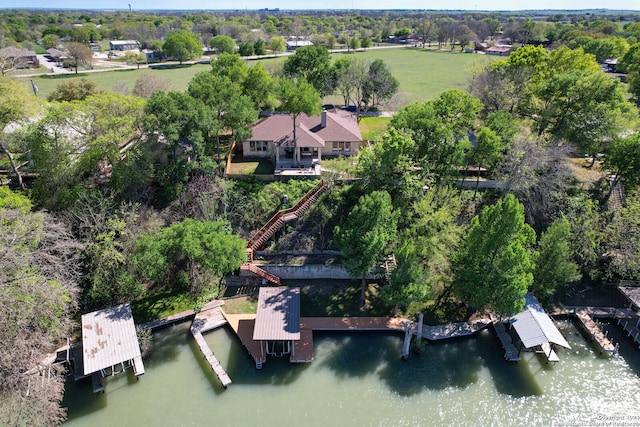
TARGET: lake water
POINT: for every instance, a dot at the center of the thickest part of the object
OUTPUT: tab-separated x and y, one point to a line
359	380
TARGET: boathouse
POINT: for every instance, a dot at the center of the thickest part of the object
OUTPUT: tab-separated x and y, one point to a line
537	331
277	324
110	344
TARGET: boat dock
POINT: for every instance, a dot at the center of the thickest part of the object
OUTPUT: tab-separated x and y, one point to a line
631	324
510	352
209	318
243	325
169	320
590	328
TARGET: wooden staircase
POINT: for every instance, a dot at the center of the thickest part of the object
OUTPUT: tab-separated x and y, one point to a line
390	264
252	268
275	222
617	198
258	240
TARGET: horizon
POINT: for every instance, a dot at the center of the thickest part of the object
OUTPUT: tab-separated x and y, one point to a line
458	6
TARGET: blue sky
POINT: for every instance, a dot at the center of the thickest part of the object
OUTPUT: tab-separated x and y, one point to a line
325	4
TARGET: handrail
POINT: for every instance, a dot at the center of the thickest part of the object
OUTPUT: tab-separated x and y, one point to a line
278	215
263	273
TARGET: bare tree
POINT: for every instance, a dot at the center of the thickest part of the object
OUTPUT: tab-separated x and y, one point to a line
38	276
80	53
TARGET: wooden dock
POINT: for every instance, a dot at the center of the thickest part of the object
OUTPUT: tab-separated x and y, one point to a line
169	320
209	318
510	352
589	326
243	325
453	330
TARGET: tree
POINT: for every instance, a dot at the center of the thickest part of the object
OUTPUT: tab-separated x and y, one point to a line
16	104
277	44
440	129
50	41
554	265
205	251
73	90
259	47
38	295
80	143
409	281
259	86
434	230
487	152
182	45
389	165
130	57
178	117
493	267
365	43
223	44
246	49
354	43
228	108
311	63
79	52
366	234
297	98
621	242
380	85
623	158
148	83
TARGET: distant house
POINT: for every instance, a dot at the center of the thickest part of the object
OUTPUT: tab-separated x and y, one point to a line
499	50
294	43
19	57
152	55
122	45
332	134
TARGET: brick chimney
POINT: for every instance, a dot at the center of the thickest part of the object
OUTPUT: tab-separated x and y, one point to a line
323	120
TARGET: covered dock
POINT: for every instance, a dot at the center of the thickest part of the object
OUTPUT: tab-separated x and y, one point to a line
536	330
110	344
277	324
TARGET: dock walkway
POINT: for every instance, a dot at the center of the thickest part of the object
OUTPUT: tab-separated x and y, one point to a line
210	317
589	326
243	324
510	351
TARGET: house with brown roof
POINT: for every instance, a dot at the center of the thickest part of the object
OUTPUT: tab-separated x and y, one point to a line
18	57
333	133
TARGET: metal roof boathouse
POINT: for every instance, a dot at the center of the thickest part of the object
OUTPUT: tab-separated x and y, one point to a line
110	344
536	330
277	324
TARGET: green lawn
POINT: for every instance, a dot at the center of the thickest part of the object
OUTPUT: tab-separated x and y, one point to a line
423	74
372	128
178	76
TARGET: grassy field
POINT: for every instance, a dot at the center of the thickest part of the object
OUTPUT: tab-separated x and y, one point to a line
372	128
423	74
178	77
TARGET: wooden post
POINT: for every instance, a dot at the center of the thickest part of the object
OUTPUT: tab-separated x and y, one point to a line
419	333
407	344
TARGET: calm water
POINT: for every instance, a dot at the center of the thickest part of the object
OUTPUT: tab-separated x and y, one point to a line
359	380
